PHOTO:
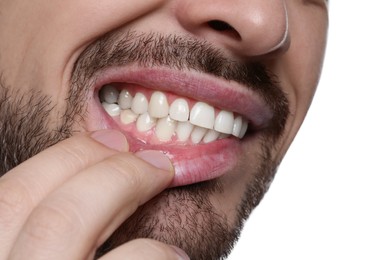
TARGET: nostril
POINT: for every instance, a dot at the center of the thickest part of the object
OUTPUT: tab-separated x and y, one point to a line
222	26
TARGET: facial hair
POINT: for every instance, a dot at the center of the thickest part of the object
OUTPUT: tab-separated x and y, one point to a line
182	216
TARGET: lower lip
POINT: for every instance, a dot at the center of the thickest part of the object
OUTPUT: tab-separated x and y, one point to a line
196	163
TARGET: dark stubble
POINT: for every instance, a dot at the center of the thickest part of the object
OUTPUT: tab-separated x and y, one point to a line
182	216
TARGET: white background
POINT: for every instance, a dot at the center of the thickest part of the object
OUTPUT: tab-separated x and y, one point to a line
331	197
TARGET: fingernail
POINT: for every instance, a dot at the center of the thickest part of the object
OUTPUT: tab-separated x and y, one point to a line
180	253
112	139
156	158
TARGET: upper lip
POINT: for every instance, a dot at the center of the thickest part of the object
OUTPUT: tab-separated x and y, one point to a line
220	93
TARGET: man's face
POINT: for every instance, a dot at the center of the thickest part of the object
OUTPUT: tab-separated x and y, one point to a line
137	66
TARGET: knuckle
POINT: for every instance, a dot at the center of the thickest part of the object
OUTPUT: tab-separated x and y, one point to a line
73	155
14	202
78	151
126	170
48	223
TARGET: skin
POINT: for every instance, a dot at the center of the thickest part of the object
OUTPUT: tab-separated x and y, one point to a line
42	213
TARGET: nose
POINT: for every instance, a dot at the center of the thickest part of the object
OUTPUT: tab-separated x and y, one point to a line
245	27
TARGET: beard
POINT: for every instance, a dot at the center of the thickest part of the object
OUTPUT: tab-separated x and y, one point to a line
182	216
185	217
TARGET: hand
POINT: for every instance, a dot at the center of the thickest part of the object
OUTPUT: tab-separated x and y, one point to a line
66	201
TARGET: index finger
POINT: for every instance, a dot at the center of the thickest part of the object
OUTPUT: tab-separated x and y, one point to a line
25	186
91	205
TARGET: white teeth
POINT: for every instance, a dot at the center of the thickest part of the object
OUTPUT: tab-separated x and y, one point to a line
200	124
202	115
210	136
140	104
244	127
224	122
198	134
111	109
125	99
109	94
127	117
237	126
165	129
183	131
145	122
158	105
179	110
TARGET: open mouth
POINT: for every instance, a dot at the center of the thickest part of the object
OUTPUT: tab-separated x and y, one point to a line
200	122
156	117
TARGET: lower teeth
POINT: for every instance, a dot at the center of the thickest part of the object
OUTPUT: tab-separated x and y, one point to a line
137	110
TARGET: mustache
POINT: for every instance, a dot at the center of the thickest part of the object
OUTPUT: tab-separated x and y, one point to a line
179	52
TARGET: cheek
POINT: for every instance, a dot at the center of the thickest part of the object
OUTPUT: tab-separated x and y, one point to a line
44	37
300	67
254	170
303	62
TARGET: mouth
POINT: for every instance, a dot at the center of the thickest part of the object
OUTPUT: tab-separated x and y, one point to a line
201	122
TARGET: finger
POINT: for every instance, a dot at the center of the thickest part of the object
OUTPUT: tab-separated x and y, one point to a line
90	206
26	185
146	249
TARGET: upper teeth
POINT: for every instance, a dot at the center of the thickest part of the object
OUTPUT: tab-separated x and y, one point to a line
168	120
